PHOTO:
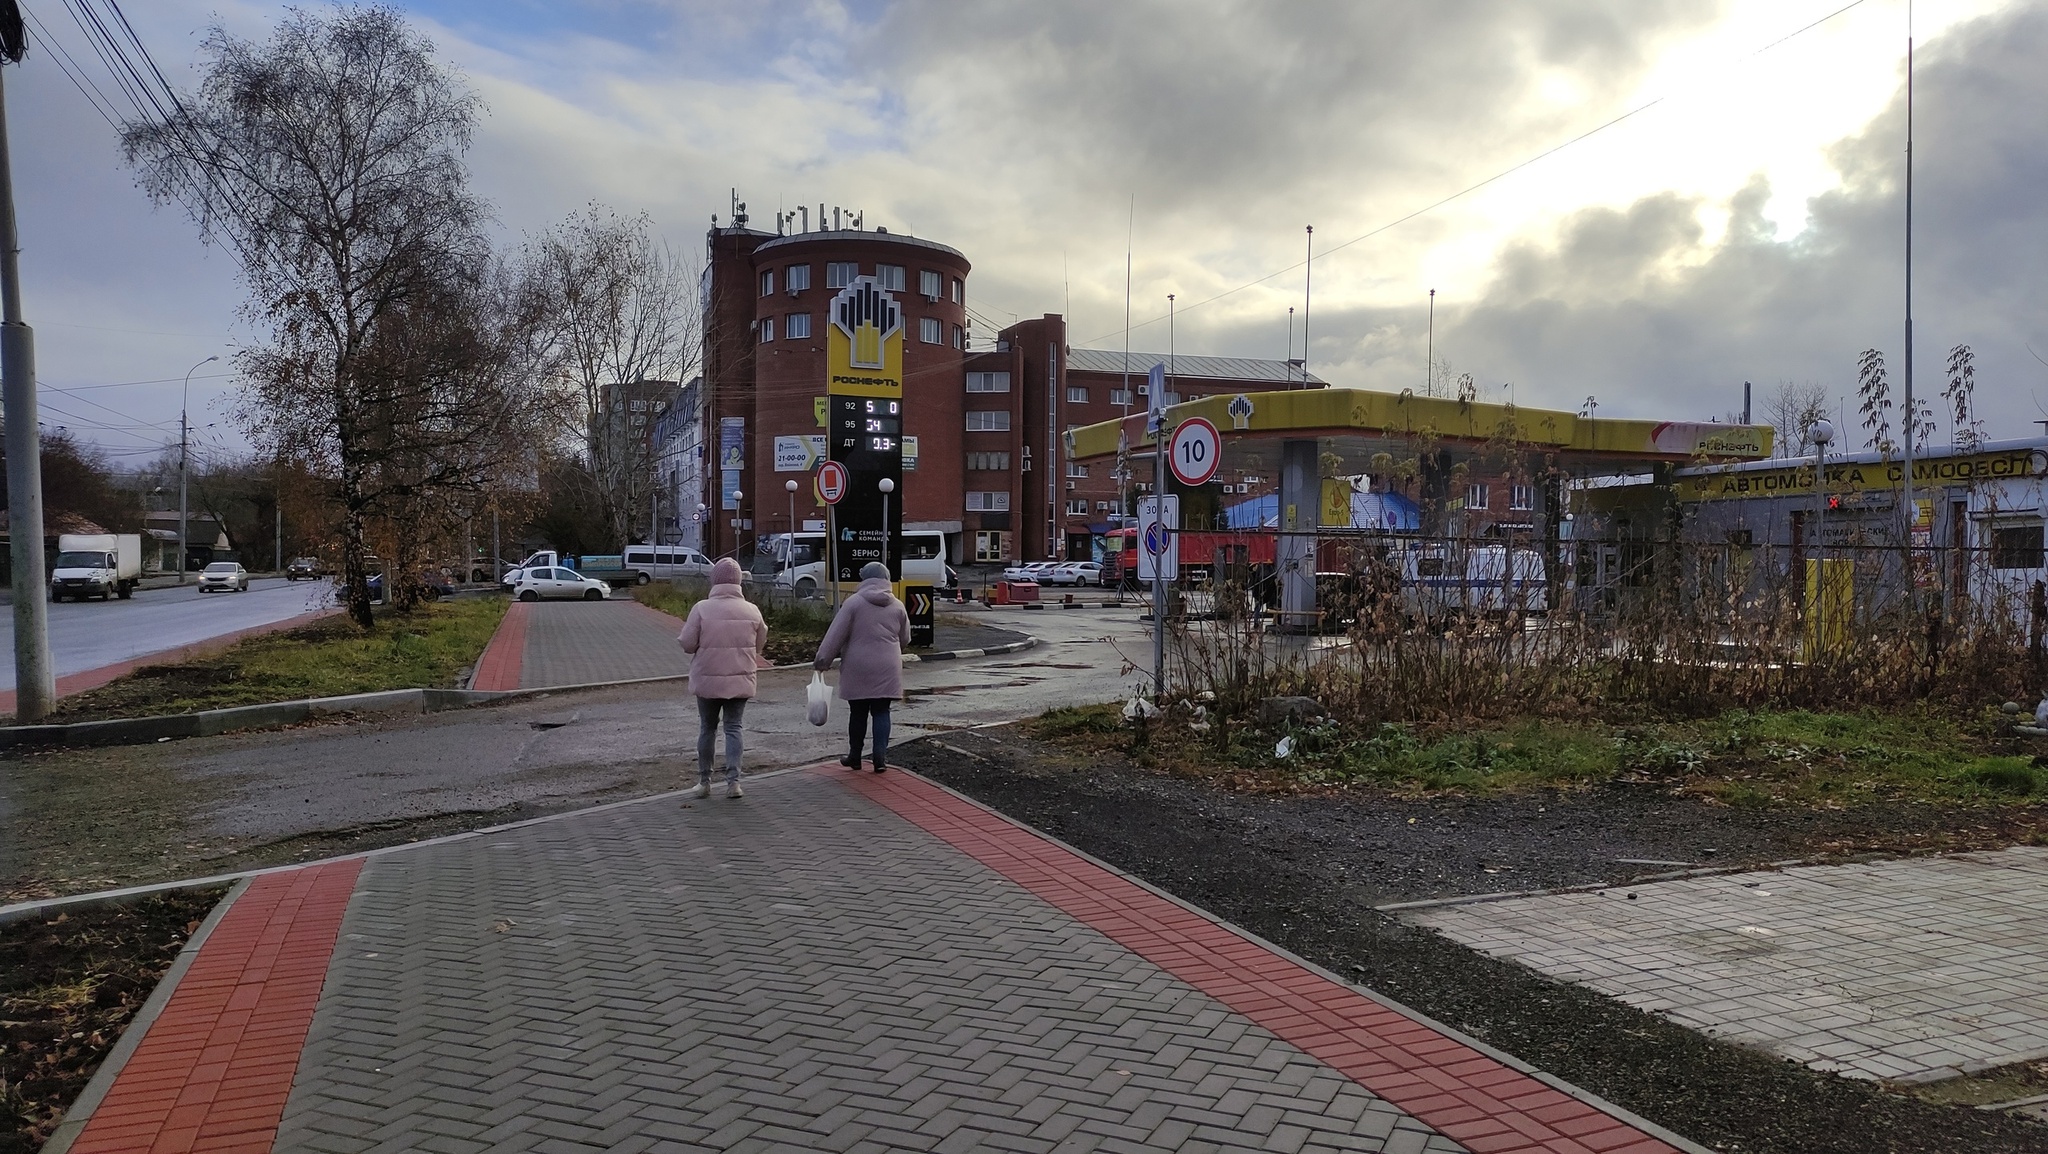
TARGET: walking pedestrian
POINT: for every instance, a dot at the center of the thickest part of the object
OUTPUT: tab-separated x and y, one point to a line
723	636
868	634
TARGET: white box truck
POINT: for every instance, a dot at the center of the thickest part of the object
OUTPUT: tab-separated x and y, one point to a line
103	565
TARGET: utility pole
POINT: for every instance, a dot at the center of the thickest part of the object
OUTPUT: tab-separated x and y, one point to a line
35	684
1912	416
184	453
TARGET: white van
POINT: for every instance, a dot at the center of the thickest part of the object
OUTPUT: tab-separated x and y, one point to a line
661	562
924	561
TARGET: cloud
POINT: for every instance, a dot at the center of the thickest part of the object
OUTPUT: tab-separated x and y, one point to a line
1637	306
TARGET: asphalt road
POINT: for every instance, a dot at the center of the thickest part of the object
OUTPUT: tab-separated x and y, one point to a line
90	634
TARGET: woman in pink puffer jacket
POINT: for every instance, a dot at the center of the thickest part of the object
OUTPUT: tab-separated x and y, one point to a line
723	637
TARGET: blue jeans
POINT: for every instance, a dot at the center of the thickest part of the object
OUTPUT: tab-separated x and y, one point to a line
708	710
857	714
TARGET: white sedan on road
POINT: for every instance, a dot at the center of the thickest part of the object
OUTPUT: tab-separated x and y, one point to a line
224	576
1027	571
1074	573
546	582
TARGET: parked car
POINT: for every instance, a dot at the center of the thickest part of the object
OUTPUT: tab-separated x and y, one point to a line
306	568
1027	571
1074	573
552	582
224	577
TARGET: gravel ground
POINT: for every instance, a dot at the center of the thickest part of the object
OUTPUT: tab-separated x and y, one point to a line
1306	872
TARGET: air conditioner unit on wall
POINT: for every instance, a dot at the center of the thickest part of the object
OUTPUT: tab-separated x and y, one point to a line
1071	486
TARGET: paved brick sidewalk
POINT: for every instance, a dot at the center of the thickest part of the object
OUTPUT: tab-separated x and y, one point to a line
1915	970
837	962
549	643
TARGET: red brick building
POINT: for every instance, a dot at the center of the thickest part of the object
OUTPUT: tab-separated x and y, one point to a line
989	468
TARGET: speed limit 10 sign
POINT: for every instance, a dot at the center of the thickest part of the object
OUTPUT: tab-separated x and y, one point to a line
1196	451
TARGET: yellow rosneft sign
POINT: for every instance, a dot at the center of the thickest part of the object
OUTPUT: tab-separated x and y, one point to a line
864	342
1711	484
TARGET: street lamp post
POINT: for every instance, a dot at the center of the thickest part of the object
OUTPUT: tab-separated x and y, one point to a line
887	486
184	455
789	554
1820	433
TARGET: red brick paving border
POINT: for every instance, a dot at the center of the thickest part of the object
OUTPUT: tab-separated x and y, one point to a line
214	1070
499	667
1467	1095
83	680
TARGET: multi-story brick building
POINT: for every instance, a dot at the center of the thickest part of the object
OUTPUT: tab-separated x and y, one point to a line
983	429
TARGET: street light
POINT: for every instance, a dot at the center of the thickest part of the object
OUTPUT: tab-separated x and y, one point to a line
1821	433
184	453
887	486
789	554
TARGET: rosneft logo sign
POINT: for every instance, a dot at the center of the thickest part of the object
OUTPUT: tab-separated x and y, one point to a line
864	342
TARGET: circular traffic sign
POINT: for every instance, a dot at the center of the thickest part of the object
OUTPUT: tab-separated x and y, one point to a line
1197	451
1157	538
831	482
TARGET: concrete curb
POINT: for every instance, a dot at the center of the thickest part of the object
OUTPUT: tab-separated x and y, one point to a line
102	1080
278	715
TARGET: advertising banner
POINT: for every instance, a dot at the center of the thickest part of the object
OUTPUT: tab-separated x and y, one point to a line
732	459
799	454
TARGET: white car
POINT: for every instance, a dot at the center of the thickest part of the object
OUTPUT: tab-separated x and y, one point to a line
544	581
1074	573
1027	571
224	577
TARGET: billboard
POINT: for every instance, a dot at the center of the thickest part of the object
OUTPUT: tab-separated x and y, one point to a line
864	379
732	459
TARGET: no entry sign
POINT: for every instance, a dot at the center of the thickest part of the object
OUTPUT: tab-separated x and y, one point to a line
831	482
1197	450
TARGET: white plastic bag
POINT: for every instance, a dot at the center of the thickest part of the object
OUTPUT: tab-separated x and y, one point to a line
821	699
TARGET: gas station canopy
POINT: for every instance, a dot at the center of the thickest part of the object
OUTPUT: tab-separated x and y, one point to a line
1358	424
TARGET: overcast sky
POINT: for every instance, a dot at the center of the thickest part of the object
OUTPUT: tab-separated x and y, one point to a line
1747	225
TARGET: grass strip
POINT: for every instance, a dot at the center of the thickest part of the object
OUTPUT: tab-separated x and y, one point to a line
425	649
1740	757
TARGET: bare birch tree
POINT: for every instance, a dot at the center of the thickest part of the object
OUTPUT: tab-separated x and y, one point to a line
622	309
1792	408
329	158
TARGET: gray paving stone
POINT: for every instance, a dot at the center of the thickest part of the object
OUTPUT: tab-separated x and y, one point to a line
1916	969
769	975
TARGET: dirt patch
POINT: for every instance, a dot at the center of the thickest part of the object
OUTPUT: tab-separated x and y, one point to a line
1305	869
69	985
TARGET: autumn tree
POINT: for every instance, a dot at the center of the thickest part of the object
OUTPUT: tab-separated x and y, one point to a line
330	159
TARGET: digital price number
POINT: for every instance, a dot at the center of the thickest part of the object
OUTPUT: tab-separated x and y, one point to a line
876	425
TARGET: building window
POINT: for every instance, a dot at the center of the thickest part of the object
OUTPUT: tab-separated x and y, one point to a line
637	406
767	329
799	277
930	285
988	502
929	330
1120	396
1521	498
988	382
797	327
1077	394
2016	547
1076	469
1077	507
1476	496
768	282
988	462
991	546
959	294
1113	508
959	337
840	273
979	421
889	276
1172	398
